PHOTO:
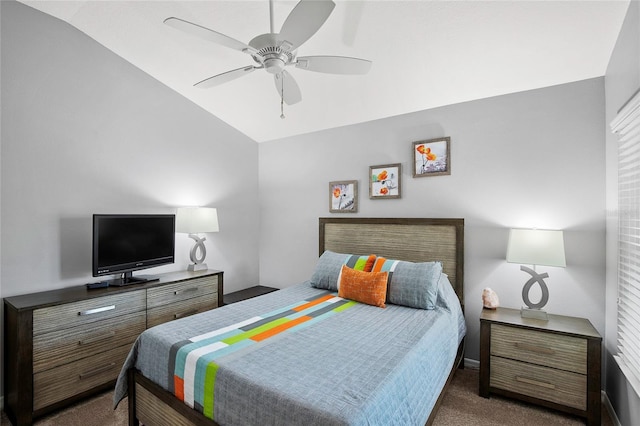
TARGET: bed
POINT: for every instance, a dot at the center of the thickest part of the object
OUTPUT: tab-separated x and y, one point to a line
312	357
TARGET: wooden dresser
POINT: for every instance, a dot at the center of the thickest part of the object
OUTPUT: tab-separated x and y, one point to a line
63	345
554	363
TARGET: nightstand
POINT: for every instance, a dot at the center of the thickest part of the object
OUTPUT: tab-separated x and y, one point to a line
247	293
554	363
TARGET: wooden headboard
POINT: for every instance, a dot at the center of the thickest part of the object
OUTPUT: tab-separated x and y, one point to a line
411	239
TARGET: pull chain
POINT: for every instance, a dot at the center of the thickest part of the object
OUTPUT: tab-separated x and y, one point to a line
282	97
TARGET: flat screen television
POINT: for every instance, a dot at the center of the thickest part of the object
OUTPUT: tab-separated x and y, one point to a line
123	243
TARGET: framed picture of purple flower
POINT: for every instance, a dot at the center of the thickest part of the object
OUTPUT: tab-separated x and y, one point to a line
432	157
343	196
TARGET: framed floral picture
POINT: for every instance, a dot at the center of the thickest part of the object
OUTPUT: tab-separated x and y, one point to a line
432	157
385	181
343	196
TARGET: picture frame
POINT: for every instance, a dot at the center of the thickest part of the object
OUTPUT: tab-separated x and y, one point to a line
432	157
343	196
385	181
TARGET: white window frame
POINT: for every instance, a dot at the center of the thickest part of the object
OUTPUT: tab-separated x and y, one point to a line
627	126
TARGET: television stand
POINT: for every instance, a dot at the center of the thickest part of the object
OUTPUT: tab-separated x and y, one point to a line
46	368
128	279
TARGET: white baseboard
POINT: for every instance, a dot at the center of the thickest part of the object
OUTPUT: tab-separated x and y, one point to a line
471	363
610	410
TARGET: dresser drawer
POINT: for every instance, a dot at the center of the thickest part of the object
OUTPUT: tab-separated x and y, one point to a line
561	387
546	349
171	293
64	346
181	309
87	311
71	379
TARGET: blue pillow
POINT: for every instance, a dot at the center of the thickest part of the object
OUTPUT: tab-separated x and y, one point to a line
411	284
329	265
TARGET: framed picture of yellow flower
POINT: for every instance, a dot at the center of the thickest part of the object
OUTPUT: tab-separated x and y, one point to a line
343	196
432	157
385	180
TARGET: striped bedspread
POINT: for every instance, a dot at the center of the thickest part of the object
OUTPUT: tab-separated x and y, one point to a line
304	356
192	362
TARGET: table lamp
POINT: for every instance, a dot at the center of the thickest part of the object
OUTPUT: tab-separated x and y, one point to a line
193	221
535	247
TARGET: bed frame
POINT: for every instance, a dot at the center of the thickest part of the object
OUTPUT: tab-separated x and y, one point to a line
412	239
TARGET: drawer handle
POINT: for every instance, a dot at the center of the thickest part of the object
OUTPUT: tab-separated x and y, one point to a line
186	290
532	348
535	382
97	310
185	314
97	338
97	371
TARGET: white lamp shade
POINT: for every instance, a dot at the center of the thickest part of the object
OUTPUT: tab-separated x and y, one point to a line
194	220
536	247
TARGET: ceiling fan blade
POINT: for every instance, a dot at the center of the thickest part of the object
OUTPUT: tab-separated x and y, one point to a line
291	91
334	64
225	77
207	34
352	16
303	21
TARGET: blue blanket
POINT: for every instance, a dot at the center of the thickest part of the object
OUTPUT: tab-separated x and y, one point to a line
363	366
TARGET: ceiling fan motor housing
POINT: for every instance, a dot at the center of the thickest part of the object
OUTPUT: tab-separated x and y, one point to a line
271	53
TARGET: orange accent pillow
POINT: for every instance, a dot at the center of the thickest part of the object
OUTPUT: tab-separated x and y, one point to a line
364	287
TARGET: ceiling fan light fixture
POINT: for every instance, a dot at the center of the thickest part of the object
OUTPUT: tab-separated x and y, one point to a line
274	65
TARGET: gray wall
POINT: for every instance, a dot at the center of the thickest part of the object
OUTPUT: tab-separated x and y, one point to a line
84	132
622	81
528	159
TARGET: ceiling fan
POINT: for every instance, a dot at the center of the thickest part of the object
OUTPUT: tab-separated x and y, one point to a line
275	51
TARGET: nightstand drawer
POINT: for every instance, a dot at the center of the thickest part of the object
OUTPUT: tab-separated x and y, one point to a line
546	349
71	379
561	387
89	311
181	309
182	290
64	346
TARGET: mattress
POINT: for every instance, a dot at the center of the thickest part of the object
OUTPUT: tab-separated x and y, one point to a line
344	363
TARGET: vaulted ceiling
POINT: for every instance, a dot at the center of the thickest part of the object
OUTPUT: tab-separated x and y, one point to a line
425	53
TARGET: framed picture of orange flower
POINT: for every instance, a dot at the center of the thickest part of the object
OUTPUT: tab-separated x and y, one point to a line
385	180
432	157
343	196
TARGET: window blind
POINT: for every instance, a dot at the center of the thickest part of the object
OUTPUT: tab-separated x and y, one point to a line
627	126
